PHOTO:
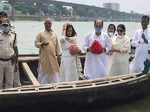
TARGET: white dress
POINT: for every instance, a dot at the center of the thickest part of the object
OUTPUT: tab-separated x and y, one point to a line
120	61
68	67
109	56
141	53
96	64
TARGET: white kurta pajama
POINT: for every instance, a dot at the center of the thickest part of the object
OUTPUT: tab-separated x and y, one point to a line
141	53
48	77
68	67
96	64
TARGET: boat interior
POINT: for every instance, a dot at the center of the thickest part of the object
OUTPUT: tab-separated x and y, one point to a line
28	69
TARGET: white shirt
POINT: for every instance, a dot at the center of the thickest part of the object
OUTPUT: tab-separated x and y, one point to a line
96	64
138	37
141	53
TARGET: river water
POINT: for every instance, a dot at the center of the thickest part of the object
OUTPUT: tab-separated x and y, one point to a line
28	30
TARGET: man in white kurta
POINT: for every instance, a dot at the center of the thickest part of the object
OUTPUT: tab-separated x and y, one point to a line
141	41
96	64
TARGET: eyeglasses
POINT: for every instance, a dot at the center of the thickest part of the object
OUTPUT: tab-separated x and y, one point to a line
119	30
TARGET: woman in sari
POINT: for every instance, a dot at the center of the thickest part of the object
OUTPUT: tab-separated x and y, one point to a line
120	52
111	34
70	48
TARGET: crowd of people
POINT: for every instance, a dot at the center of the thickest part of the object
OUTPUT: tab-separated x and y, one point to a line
107	53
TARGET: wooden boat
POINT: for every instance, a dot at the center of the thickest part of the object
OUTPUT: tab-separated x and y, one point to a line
100	91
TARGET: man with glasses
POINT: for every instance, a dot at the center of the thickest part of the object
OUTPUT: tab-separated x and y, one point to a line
141	41
96	59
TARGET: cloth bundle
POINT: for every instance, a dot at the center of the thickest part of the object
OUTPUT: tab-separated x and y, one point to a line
74	49
96	47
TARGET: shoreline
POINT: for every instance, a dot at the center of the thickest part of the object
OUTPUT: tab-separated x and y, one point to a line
75	19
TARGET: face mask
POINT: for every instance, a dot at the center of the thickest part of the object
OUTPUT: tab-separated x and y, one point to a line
110	34
68	35
5	29
98	30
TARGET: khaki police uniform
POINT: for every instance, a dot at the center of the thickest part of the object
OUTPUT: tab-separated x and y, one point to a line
6	66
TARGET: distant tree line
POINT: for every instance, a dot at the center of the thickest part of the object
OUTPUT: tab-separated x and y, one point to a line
53	10
47	9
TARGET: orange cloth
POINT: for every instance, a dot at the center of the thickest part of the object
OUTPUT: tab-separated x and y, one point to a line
74	49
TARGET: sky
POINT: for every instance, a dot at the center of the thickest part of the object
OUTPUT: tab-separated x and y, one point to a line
139	6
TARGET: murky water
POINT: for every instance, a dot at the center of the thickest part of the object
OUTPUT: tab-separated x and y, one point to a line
28	30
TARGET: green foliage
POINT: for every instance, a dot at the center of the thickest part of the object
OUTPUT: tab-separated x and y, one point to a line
47	9
58	10
65	11
6	7
26	9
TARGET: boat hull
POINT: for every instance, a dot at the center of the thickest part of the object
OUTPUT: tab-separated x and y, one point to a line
90	96
101	92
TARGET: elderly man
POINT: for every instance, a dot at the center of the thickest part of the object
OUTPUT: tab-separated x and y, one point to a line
141	41
49	52
7	56
96	63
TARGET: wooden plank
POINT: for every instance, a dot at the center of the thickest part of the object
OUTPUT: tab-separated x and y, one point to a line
30	74
28	58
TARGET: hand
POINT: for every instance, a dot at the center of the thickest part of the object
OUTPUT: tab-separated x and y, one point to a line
44	44
110	53
118	51
143	37
124	51
115	50
16	68
75	50
59	59
104	50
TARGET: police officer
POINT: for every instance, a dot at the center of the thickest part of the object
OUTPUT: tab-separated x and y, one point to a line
7	60
4	18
